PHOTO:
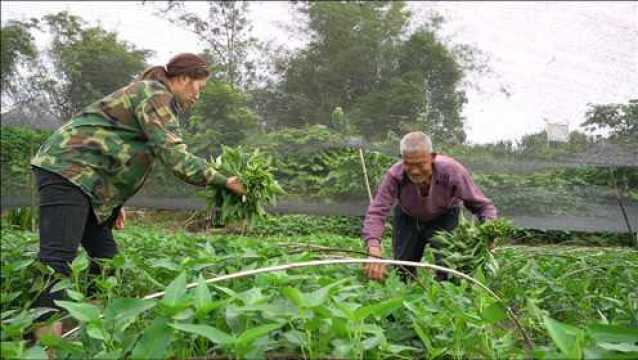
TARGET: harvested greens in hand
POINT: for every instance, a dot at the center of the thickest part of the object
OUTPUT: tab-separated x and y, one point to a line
255	171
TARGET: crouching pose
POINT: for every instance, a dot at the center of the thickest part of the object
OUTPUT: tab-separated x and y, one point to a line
428	190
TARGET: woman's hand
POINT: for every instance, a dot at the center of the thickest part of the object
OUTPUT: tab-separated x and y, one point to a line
233	184
120	220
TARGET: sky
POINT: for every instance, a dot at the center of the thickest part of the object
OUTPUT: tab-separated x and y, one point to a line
553	57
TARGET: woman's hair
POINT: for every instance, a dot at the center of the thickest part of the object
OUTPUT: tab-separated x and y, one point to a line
185	64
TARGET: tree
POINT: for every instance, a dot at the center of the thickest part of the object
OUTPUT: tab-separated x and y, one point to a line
348	54
433	68
620	120
17	48
221	116
226	31
88	63
361	57
81	65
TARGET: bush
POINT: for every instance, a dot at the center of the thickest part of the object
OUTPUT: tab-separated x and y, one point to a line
300	155
17	145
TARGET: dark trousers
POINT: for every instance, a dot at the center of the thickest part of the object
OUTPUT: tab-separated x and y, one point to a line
66	221
411	235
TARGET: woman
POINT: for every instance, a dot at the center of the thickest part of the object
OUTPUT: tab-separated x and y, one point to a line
89	167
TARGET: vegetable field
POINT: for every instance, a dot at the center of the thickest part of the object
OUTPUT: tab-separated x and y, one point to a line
569	301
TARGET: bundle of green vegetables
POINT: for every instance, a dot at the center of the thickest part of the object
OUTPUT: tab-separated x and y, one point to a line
469	247
255	171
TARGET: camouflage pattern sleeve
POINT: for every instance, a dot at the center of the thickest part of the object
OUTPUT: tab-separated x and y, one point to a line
159	123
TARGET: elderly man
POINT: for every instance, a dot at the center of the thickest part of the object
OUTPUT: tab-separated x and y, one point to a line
428	189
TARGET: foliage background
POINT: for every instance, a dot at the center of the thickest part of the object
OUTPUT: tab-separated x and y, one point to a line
370	71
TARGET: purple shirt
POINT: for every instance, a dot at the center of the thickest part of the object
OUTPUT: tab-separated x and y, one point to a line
451	185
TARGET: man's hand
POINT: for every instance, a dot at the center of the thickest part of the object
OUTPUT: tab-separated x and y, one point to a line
233	184
375	271
120	220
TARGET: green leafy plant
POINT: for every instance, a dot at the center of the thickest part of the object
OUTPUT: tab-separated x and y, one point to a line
319	312
255	171
21	218
596	341
469	247
345	175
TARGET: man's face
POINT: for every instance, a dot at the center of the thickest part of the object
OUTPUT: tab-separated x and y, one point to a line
418	165
187	90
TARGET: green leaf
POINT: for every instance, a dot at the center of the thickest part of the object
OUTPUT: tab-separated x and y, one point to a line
378	309
213	334
340	326
397	349
494	313
155	341
117	354
58	343
251	296
373	342
313	299
164	263
6	314
202	294
342	349
422	335
96	332
228	292
80	264
319	296
185	314
76	296
295	296
121	313
599	353
623	347
613	333
9	297
294	337
62	285
250	335
211	306
175	291
566	337
35	352
81	311
346	309
20	265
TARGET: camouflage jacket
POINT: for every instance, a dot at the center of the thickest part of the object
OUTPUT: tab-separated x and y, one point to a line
109	148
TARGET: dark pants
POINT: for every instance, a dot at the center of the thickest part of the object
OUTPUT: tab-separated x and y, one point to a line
411	235
66	221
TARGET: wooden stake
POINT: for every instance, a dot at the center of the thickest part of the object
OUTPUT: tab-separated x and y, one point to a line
31	190
365	173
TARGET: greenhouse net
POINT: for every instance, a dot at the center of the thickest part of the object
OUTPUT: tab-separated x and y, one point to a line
585	186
